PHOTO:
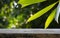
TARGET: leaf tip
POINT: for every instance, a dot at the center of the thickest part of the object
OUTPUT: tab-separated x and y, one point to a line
27	21
45	26
56	20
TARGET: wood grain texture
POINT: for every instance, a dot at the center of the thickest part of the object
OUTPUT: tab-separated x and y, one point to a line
29	36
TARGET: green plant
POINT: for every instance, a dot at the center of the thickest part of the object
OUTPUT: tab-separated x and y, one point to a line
41	12
16	13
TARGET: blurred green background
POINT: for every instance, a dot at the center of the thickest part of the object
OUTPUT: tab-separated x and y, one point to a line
13	16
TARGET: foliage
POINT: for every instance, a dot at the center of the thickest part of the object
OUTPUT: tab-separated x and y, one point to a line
25	3
17	13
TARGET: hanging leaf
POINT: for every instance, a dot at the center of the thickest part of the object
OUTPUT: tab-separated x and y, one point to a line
58	12
50	18
41	12
25	3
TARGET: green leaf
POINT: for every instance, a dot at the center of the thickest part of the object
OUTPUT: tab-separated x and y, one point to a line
59	1
25	3
41	12
58	13
50	18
